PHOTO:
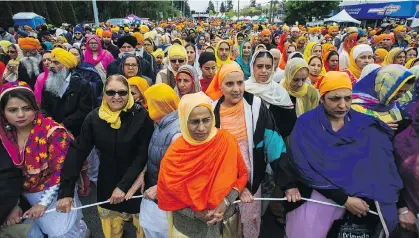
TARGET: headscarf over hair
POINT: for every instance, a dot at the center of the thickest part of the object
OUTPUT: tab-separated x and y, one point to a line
334	80
161	100
326	48
214	89
64	57
4	44
106	114
218	60
326	58
141	85
158	52
103	56
177	51
355	52
391	56
189	70
411	62
349	42
368	69
29	43
308	51
382	53
284	58
376	90
269	91
245	67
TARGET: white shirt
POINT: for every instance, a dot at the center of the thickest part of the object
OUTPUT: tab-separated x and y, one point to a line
65	85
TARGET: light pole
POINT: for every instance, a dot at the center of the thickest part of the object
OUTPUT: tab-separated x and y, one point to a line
95	12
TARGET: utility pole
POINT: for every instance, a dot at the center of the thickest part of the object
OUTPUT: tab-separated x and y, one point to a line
270	13
95	12
173	16
238	9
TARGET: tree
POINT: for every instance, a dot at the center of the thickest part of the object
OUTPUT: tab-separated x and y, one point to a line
222	8
303	11
253	3
229	5
210	7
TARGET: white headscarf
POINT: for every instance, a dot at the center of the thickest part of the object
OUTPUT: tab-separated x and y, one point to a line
271	92
195	79
196	63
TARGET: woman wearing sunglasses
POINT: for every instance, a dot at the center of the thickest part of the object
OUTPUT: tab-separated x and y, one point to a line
120	130
177	57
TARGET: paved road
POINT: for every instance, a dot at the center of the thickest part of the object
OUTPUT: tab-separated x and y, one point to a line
269	228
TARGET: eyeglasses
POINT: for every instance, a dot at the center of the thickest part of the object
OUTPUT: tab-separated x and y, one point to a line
197	122
131	66
93	43
180	61
112	93
77	33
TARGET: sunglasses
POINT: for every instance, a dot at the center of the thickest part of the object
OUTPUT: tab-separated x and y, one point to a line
77	33
180	61
112	93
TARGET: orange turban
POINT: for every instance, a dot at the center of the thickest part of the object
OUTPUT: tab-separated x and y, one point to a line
29	43
381	52
379	38
230	42
332	28
107	34
265	32
139	37
333	80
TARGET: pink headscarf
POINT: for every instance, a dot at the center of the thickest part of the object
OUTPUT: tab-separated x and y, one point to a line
103	56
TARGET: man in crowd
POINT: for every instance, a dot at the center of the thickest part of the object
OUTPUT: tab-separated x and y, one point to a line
127	46
400	34
4	35
31	64
66	97
139	51
107	44
295	33
384	41
266	36
78	35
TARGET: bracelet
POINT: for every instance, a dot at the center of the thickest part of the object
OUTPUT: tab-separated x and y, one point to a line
404	212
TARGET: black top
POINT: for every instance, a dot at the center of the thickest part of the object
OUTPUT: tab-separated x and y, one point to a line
123	155
22	74
284	119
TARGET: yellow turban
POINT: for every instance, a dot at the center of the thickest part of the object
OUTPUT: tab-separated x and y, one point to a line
158	52
333	80
99	32
126	28
161	100
29	43
115	29
144	29
177	50
139	37
4	44
399	28
64	57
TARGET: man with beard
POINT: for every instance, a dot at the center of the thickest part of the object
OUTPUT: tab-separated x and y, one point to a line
66	96
30	65
399	35
127	46
4	35
139	51
266	37
295	33
107	44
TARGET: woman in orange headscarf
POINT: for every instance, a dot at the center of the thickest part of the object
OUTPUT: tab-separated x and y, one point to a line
201	174
348	43
288	49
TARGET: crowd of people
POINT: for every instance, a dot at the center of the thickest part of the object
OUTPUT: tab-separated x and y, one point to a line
205	118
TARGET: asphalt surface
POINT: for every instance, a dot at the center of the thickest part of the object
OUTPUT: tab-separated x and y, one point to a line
269	229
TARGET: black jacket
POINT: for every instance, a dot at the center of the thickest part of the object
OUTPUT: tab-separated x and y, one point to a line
145	69
123	155
22	74
113	49
73	107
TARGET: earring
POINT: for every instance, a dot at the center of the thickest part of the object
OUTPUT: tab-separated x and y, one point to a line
8	127
34	122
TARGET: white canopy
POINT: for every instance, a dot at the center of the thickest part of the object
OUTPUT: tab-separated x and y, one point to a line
255	18
234	18
342	16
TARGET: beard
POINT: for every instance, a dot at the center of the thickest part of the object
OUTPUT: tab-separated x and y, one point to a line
55	81
32	64
123	54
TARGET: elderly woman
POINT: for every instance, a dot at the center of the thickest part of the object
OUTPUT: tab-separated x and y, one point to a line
177	57
360	56
395	56
312	48
303	95
38	146
201	174
407	158
131	67
138	87
112	129
187	81
328	146
411	53
163	103
376	94
250	121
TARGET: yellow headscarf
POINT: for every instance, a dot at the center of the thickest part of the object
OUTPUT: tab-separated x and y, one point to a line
4	44
411	62
141	84
158	52
111	117
308	51
389	59
218	60
162	100
382	53
186	105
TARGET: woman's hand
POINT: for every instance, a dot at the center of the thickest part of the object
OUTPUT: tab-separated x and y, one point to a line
138	184
151	193
35	212
216	215
246	196
117	196
293	195
14	217
407	220
357	206
64	205
393	125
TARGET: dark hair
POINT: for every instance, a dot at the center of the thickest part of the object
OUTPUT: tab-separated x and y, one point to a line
208	47
149	40
225	42
123	60
264	54
411	81
22	94
315	57
190	45
332	53
117	77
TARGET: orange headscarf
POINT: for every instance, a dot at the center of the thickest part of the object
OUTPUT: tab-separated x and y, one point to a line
284	57
214	89
199	176
350	42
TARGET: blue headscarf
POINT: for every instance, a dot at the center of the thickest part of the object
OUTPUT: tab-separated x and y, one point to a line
358	159
245	66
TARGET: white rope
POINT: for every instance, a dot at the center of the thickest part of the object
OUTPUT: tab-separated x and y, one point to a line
306	199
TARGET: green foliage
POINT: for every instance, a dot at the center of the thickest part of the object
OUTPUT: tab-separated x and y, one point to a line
231	13
303	11
211	7
250	11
